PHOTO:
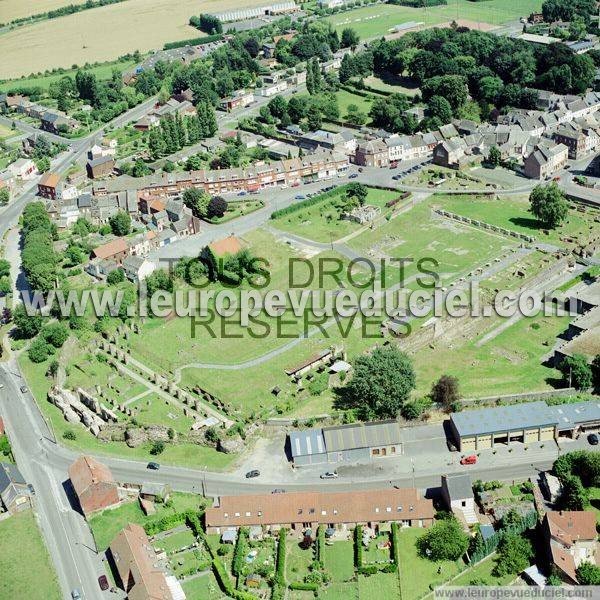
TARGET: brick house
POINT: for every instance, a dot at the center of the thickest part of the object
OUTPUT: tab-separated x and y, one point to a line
94	485
301	510
580	142
372	154
100	167
116	251
48	185
239	99
571	539
135	562
545	160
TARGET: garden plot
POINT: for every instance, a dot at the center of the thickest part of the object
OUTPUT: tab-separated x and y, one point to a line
377	550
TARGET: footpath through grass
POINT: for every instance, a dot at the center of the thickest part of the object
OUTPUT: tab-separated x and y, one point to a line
25	566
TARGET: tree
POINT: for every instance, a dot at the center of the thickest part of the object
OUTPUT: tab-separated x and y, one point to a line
115	277
346	71
27	326
514	555
382	383
440	108
444	541
197	201
314	118
42	164
549	205
588	574
157	448
451	87
217	207
445	391
55	334
596	371
358	191
576	372
120	223
349	38
4	196
573	496
494	156
39	350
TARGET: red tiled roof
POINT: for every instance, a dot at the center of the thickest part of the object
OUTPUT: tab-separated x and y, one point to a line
50	180
324	507
572	526
87	471
111	249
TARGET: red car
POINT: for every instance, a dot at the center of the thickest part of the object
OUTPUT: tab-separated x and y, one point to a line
103	582
468	460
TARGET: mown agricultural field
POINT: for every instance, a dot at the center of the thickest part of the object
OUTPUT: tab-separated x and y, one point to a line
17	9
102	34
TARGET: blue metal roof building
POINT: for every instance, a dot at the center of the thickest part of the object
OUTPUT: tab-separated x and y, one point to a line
308	447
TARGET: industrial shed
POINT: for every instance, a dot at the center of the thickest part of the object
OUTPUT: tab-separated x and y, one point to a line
575	418
489	427
360	442
308	447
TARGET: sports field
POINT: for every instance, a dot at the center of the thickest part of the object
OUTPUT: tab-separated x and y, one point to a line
103	33
380	19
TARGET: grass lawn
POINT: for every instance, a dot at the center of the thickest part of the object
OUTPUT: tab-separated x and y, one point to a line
204	587
153	409
238	209
373	21
482	571
419	575
416	234
373	554
339	563
345	98
321	223
175	541
379	586
511	362
512	214
108	523
594	493
297	560
27	571
7	132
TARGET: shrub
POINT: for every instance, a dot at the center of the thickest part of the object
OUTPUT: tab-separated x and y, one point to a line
69	434
39	350
157	448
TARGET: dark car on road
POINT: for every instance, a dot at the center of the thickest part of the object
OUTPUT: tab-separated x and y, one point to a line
353	176
23	389
253	473
593	439
103	582
153	466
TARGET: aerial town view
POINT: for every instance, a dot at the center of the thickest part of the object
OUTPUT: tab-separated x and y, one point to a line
299	300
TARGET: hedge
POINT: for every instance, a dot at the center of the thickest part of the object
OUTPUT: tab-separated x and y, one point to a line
309	202
225	582
279	580
358	549
395	549
320	545
302	586
167	522
193	41
239	552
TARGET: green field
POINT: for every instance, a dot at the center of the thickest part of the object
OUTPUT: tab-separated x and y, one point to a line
175	541
27	571
321	223
373	21
102	71
509	363
346	98
513	214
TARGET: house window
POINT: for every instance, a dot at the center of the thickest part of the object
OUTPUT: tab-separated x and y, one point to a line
388	509
226	515
335	511
376	510
311	511
375	452
247	514
300	511
393	449
399	508
323	512
411	508
237	514
260	513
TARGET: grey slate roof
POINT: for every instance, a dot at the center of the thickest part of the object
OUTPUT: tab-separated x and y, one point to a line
361	435
503	418
307	442
10	474
570	415
458	485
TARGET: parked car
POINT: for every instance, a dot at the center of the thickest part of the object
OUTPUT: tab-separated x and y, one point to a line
153	466
360	169
103	582
300	197
468	460
252	474
278	491
76	594
23	389
329	475
353	176
242	193
593	439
